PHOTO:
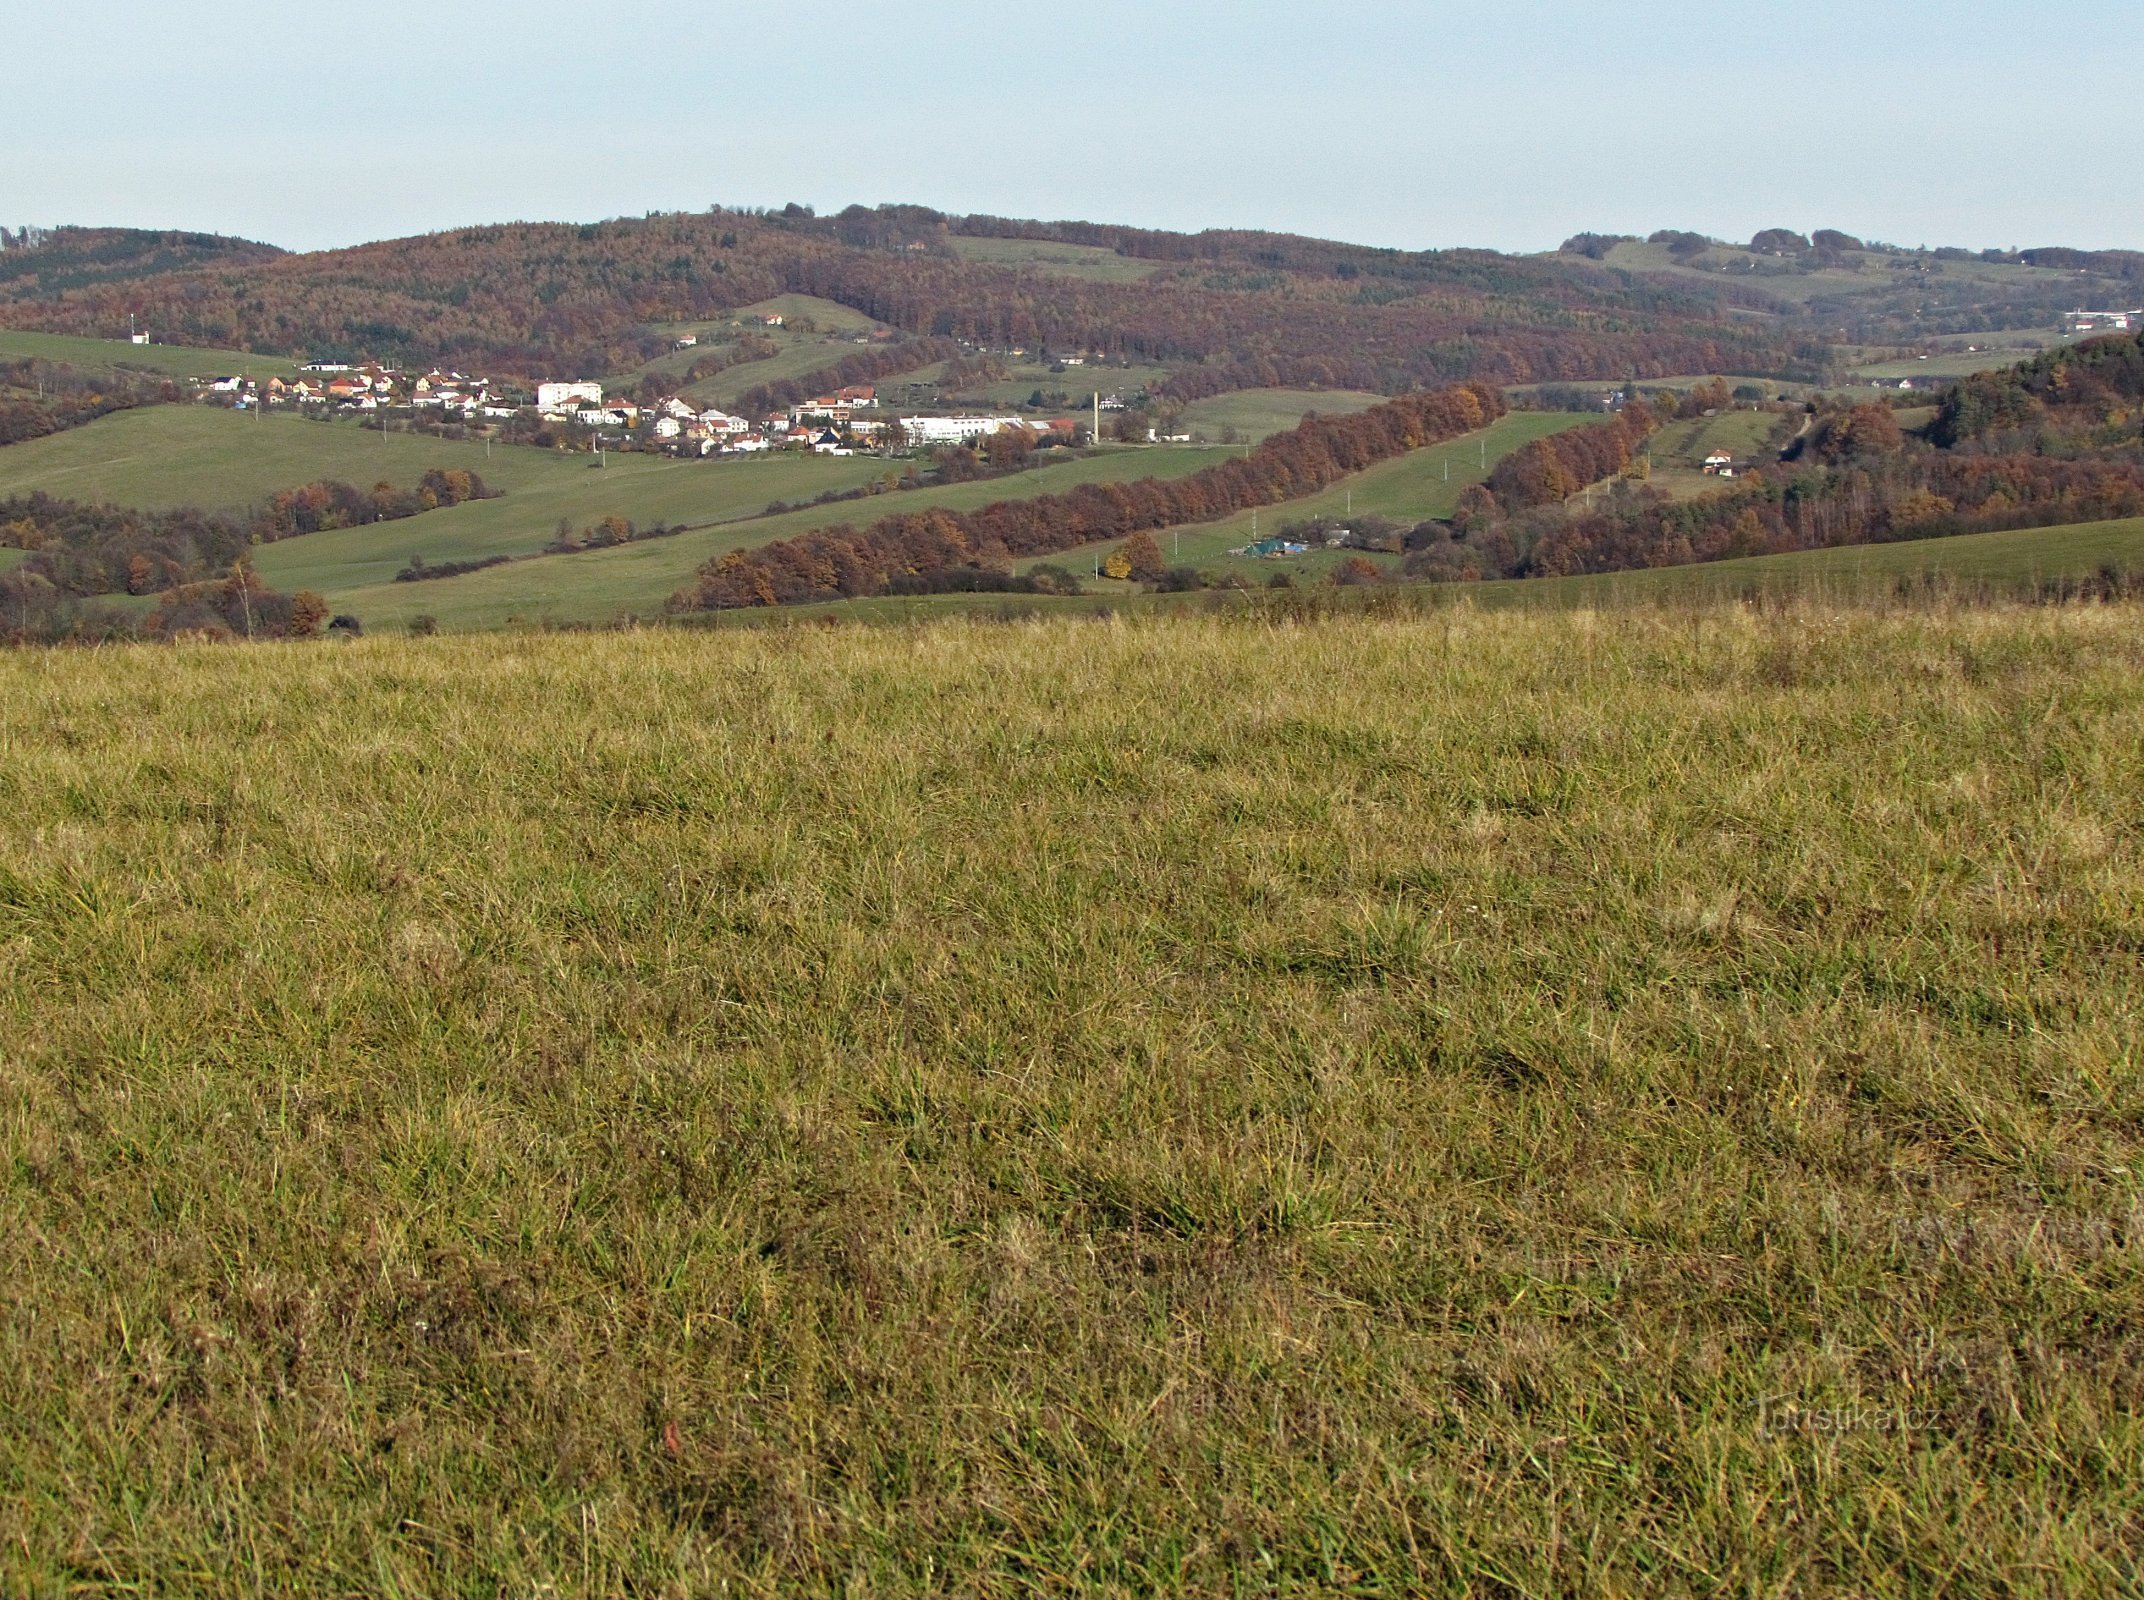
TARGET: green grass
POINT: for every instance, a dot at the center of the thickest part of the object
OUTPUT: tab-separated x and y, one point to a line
1055	260
2013	564
836	328
1078	384
1390	1108
830	316
205	456
1686	444
1255	413
1960	365
800	354
12	558
637	579
178	361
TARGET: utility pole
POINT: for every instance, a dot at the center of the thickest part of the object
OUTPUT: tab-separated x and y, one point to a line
1097	416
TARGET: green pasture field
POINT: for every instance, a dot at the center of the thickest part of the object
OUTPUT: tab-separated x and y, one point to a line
2009	564
206	456
831	316
1256	413
1686	444
1078	384
1407	489
171	360
12	558
1533	1104
706	495
1961	365
637	579
837	326
1054	260
800	354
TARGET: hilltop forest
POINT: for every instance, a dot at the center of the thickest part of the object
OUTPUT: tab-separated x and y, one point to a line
1229	310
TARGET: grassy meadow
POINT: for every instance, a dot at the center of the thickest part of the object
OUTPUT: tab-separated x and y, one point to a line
1488	1104
1255	413
1054	260
173	360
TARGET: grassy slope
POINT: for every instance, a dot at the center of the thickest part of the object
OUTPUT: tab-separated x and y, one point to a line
638	579
179	361
1255	413
2013	562
1686	444
1078	384
1059	260
204	456
1394	1108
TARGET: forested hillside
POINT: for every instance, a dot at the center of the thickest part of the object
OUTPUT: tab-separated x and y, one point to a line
40	266
1228	310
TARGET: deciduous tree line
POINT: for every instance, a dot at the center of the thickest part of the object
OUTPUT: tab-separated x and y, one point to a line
79	550
38	398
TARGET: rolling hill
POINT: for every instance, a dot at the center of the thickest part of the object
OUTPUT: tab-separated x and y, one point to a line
1247	310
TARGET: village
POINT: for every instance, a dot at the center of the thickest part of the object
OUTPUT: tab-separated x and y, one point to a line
581	415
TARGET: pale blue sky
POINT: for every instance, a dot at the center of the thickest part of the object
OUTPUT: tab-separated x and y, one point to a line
1509	125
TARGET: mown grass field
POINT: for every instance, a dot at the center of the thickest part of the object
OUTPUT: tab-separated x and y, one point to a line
1255	413
178	361
1522	1105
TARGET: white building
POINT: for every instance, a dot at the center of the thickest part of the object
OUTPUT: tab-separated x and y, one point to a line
557	396
954	430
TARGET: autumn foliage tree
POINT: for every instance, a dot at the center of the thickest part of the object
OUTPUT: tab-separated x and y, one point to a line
1142	558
